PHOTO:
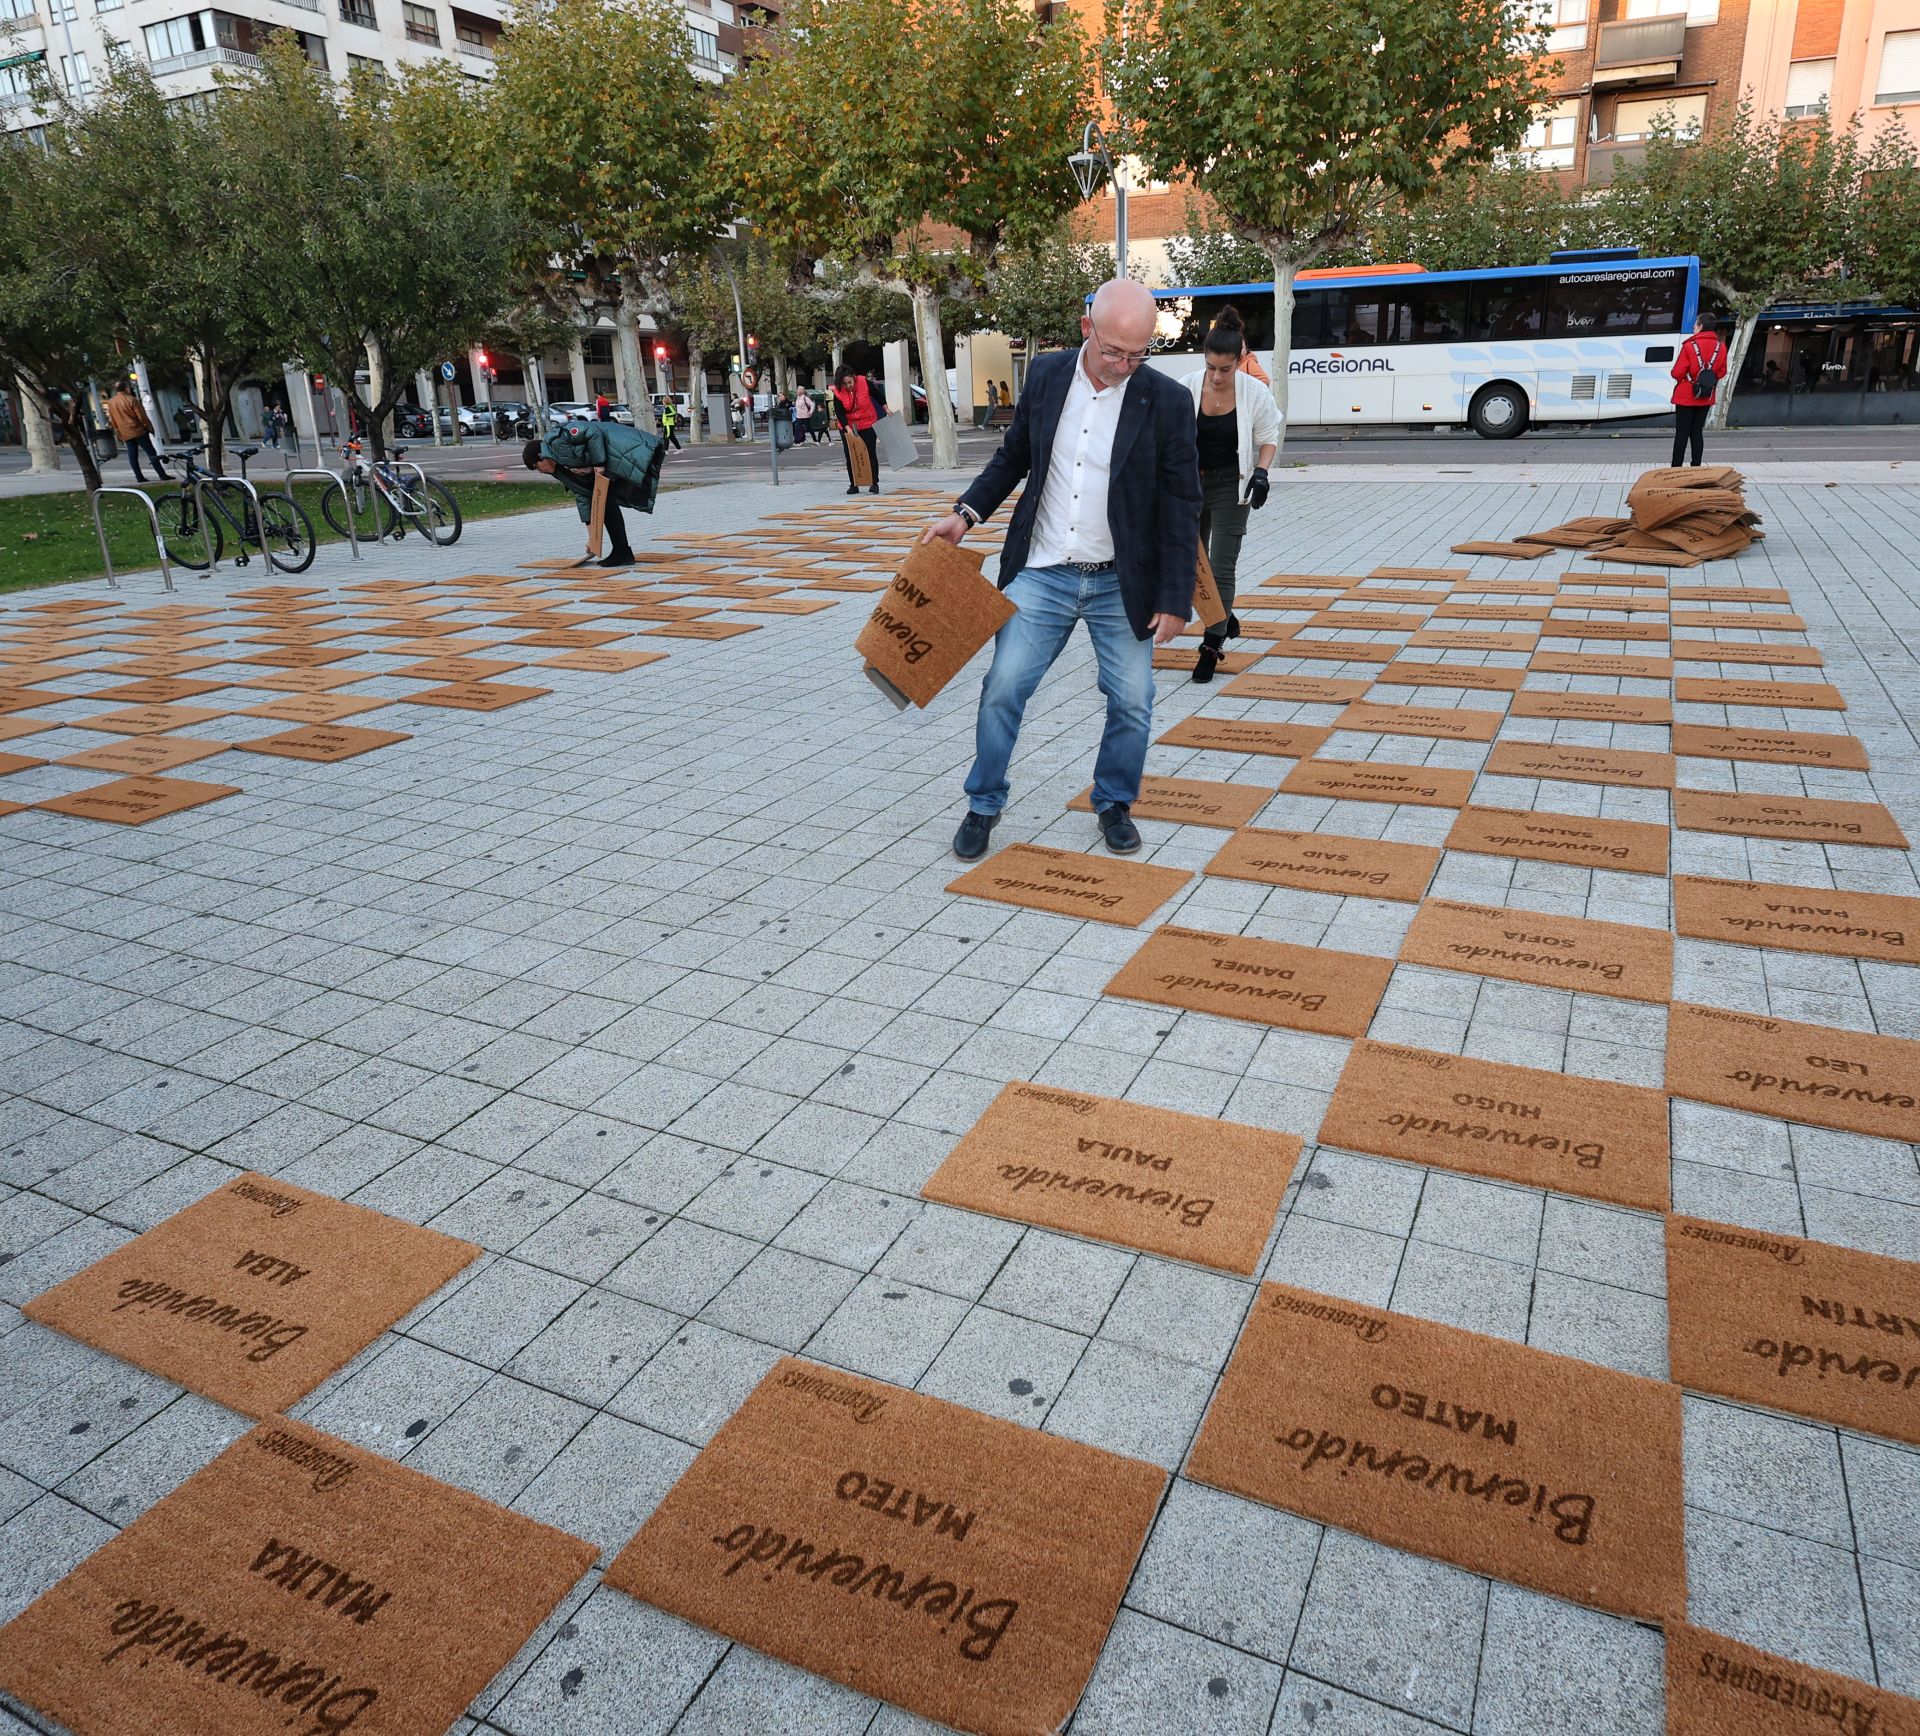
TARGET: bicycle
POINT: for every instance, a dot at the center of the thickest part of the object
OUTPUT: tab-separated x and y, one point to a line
382	500
282	532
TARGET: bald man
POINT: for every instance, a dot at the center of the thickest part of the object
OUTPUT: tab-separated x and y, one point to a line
1105	532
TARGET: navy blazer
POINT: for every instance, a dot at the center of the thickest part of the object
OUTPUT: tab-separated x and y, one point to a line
1153	489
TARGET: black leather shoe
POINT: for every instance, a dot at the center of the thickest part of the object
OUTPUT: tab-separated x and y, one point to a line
1205	661
970	842
1117	827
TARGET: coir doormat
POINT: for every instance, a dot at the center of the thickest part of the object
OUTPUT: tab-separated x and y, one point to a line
1798	918
1562	952
1303	988
1777	656
1445	723
1601	663
1821	822
254	1294
1627	846
136	800
1791	747
907	1547
1469	677
1581	765
1322	862
1807	1327
1521	1124
143	756
1784	695
325	742
1380	781
1592	707
1187	1186
295	1587
1191	800
1072	883
476	695
1808	1073
1184	656
1719	1687
1295	689
1554	1474
1237	735
1507	551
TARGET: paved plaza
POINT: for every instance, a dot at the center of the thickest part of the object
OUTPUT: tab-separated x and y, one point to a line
652	988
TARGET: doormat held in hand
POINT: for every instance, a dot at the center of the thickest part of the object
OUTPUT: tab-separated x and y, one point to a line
1191	800
1798	918
1380	781
1819	822
961	1567
1322	862
1807	1073
1561	952
1521	1124
1557	1475
937	613
1719	1687
255	1294
1626	846
1190	1187
1807	1327
294	1587
1072	883
1304	988
1237	735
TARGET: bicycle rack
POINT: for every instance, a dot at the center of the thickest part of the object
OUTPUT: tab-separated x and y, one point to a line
339	481
153	514
408	464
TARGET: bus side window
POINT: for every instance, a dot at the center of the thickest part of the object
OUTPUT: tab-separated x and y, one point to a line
1505	307
1436	313
1310	319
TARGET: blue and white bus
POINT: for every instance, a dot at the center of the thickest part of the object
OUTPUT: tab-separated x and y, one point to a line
1588	337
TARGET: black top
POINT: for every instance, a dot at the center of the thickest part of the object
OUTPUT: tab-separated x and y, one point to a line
1219	441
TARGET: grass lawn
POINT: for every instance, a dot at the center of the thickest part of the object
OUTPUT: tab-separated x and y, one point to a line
46	539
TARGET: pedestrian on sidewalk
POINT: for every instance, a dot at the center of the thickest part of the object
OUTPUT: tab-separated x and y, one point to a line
631	457
669	421
1237	429
1699	368
803	408
269	428
857	412
134	431
1107	531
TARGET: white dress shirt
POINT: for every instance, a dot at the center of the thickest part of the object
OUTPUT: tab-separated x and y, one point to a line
1071	523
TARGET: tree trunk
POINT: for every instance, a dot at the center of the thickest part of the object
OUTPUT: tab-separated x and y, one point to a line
1283	270
933	376
380	411
626	325
696	392
1743	331
36	427
212	410
70	418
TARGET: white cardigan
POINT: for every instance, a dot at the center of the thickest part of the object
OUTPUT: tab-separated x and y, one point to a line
1256	418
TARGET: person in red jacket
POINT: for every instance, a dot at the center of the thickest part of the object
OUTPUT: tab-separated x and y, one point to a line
856	412
1698	371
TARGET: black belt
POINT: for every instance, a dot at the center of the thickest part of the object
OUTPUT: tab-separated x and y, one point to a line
1090	566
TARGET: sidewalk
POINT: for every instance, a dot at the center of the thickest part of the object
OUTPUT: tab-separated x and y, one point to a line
652	987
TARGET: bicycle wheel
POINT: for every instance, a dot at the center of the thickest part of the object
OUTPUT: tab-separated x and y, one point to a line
431	510
372	516
287	533
180	531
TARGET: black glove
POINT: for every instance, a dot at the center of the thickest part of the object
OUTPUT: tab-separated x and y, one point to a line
1257	489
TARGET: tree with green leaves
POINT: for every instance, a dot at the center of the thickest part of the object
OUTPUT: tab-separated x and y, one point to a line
604	130
1040	292
1501	213
1766	204
1208	254
1883	241
1320	115
912	141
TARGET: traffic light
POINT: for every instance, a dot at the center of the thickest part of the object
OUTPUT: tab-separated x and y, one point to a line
659	352
753	345
485	361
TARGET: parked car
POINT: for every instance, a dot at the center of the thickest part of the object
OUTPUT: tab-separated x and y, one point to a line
559	414
411	422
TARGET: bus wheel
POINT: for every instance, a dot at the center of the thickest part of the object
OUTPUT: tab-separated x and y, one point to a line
1499	411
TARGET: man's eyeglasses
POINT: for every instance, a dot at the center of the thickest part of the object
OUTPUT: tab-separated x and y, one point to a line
1119	358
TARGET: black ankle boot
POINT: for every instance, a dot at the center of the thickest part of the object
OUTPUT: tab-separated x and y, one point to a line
1205	661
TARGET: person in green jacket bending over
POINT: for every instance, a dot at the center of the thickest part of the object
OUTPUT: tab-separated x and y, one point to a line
630	457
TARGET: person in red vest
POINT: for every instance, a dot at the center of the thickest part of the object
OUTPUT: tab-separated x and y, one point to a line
856	413
1698	371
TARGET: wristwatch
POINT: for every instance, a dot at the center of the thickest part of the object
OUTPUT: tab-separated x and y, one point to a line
966	512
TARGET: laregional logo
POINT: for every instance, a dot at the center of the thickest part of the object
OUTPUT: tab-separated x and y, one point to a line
1335	363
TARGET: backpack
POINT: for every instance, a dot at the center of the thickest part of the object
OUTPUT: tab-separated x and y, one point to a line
1705	376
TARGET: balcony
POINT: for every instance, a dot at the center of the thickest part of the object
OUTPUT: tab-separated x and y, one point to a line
1605	159
476	50
1640	51
204	57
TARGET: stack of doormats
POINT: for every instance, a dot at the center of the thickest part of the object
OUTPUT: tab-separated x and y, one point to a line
1677	518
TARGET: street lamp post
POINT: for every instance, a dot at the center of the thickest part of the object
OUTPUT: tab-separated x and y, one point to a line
1087	165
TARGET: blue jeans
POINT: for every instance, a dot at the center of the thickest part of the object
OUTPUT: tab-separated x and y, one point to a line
1050	600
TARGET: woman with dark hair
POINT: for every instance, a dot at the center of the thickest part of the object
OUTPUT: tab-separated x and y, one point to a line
856	412
1238	431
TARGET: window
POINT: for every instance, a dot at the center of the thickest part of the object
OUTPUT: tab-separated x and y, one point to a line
1364	317
359	12
1697	11
1590	304
1809	86
471	41
706	46
16	8
423	23
74	74
1899	67
1436	313
16	82
1687	115
374	69
62	11
1549	141
1505	307
175	37
1309	319
1566	22
108	5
